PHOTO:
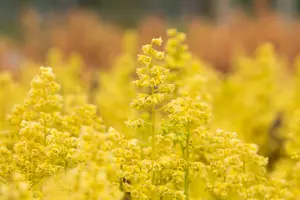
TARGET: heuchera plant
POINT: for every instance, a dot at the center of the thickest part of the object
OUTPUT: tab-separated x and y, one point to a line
55	145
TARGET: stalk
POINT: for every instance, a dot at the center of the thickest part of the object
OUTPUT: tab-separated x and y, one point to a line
186	171
153	119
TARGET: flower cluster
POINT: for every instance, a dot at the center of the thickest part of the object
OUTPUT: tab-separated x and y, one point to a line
192	133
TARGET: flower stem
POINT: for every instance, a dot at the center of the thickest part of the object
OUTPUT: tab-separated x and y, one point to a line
153	119
186	171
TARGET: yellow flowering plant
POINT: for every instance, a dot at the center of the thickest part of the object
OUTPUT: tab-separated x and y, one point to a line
172	136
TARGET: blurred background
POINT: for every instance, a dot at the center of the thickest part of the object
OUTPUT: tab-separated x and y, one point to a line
94	28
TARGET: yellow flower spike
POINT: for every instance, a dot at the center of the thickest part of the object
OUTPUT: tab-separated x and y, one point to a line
157	41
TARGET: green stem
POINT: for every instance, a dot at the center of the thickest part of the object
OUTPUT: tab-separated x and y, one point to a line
153	119
186	171
153	126
159	109
121	179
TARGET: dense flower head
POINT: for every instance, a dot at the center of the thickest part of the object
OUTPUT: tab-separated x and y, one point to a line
184	111
42	99
18	188
177	54
235	167
83	182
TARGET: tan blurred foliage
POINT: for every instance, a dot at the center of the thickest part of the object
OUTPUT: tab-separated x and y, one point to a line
99	41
